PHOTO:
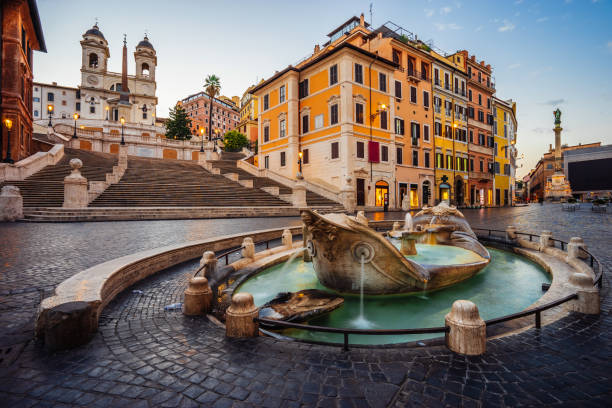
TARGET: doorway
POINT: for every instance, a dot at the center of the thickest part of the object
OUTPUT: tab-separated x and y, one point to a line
360	191
426	192
459	193
381	193
444	193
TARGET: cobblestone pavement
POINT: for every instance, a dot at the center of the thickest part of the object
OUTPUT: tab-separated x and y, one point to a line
145	356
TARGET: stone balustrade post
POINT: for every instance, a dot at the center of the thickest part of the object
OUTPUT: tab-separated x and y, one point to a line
209	262
239	317
11	204
545	240
511	232
248	248
123	157
298	197
75	187
578	248
467	334
287	239
588	301
396	226
198	297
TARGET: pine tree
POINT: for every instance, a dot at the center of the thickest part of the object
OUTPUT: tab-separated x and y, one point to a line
179	125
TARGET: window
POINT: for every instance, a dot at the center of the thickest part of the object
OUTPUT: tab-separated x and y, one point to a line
335	150
489	103
415	158
63	103
36	99
426	159
398	89
399	154
415	133
397	56
383	120
266	101
471	136
305	156
399	126
93	60
145	69
481	166
359	112
437	129
144	115
481	116
384	153
360	150
50	97
382	82
448	131
446	81
305	123
439	160
319	121
267	162
426	99
282	159
303	88
92	109
359	73
496	167
424	69
471	164
281	93
449	162
266	134
413	94
426	133
333	115
437	76
480	99
505	131
35	113
282	128
470	95
333	75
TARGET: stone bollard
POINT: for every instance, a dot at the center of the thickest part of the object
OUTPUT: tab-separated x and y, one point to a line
239	317
468	334
588	294
361	218
209	262
408	244
298	197
75	187
198	297
511	232
545	240
248	248
67	325
580	248
307	257
287	238
11	204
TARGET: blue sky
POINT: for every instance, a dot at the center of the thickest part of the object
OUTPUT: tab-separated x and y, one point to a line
545	54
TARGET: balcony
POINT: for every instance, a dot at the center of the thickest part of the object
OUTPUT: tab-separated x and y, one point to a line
481	176
460	92
416	76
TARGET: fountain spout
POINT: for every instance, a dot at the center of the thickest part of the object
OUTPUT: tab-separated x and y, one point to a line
408	224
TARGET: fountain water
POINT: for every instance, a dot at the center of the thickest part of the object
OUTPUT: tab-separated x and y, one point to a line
288	262
361	287
408	224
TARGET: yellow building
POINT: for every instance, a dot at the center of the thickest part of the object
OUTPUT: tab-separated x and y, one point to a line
504	132
336	108
449	81
248	115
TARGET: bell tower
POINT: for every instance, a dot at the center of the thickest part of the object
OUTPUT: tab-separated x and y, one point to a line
146	60
95	54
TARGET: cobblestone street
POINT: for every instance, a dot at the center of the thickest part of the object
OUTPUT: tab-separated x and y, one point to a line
144	356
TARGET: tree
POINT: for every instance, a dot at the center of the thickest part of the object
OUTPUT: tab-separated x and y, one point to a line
212	87
178	125
234	141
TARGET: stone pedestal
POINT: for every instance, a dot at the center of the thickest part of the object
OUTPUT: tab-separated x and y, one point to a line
239	317
299	195
545	240
75	187
467	333
11	204
248	248
198	297
348	196
576	248
511	232
202	158
67	326
287	239
123	157
408	246
588	301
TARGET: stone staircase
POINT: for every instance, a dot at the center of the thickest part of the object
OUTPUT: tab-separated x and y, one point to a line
227	164
46	187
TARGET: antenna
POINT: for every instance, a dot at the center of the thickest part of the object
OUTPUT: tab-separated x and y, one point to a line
371	22
146	33
96	20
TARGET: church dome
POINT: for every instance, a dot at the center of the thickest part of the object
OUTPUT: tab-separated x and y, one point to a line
145	43
95	30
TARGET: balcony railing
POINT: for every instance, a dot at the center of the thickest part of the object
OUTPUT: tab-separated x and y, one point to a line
417	75
480	175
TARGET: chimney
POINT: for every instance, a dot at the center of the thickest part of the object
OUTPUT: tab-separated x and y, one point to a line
489	67
361	20
550	147
473	58
482	63
317	48
54	83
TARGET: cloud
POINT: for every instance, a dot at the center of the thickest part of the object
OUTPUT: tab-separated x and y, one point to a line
445	10
540	130
610	46
508	26
540	71
429	12
479	28
542	19
554	102
514	66
518	1
447	26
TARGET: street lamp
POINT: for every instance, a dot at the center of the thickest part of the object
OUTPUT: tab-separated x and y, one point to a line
50	110
9	124
299	175
201	140
107	114
153	115
75	116
122	123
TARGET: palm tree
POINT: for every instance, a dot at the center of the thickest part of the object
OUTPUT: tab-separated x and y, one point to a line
212	86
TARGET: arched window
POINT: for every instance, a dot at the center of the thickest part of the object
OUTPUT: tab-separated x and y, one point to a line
145	69
93	60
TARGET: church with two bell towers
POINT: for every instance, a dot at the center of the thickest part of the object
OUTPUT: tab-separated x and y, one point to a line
109	96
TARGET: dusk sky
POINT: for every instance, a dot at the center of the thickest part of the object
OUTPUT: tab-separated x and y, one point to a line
545	54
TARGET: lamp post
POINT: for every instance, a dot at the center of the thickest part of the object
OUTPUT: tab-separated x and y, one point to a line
299	175
9	124
50	110
107	113
75	116
201	140
122	123
153	115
